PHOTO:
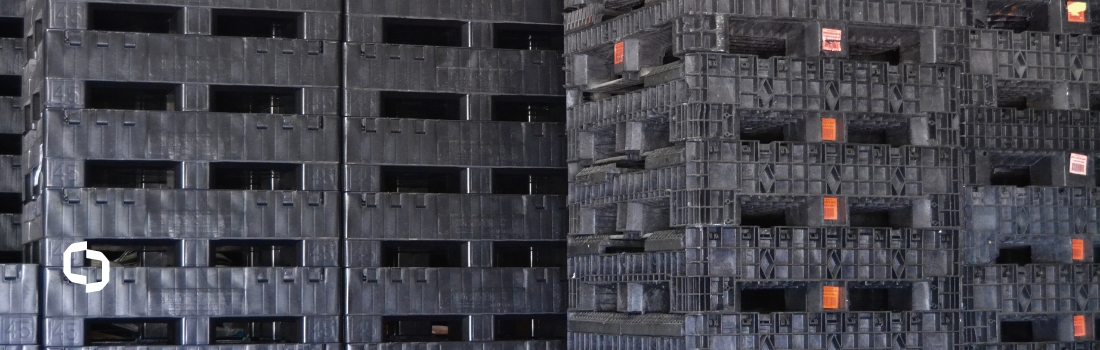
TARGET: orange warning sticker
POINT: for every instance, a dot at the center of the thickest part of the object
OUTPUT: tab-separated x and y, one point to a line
1079	329
1075	11
832	210
828	129
831	39
620	54
1078	248
830	297
1078	164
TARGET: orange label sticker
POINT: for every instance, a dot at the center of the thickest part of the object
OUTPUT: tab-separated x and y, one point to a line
830	297
832	210
1075	11
1079	329
831	39
1078	164
620	54
828	129
1078	249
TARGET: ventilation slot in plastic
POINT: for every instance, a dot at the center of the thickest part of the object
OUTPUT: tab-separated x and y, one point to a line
880	299
529	254
11	144
134	18
256	24
418	105
251	99
135	253
1019	255
530	181
254	253
11	27
11	203
255	330
768	300
1017	15
422	32
406	329
422	179
255	176
529	327
764	219
1029	331
422	254
527	37
11	85
107	332
131	174
130	96
535	109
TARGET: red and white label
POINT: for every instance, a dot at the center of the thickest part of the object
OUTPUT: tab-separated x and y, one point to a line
831	39
620	52
1078	164
828	129
1078	246
832	209
1076	11
1079	328
830	297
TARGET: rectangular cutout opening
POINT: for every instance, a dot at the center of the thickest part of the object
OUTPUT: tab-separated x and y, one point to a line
130	96
421	105
434	328
763	47
1029	331
1010	176
135	252
254	253
131	174
532	109
862	51
529	327
254	99
106	332
773	299
255	330
11	256
623	249
11	85
893	298
763	133
876	217
516	36
530	181
256	24
422	179
11	144
424	32
764	219
134	18
255	176
11	27
422	254
1018	255
529	254
11	203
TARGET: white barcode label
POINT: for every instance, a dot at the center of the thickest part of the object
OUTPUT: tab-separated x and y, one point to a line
1078	164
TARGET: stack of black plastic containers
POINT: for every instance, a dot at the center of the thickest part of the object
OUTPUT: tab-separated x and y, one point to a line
197	147
1032	207
18	281
763	175
832	174
455	175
